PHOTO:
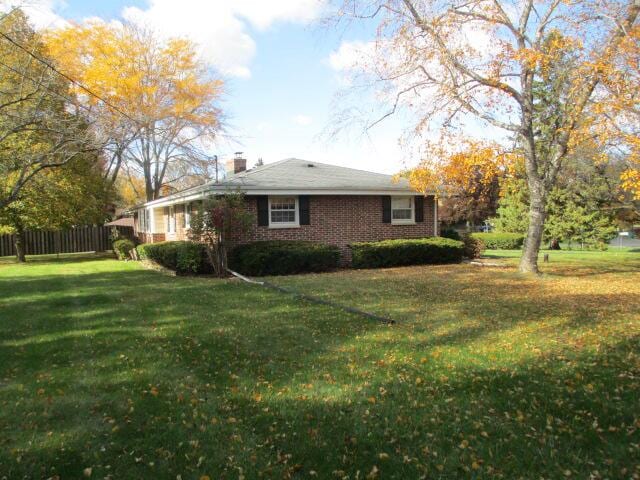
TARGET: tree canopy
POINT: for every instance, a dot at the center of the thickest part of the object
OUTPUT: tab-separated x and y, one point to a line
158	106
39	129
583	207
51	173
534	70
468	180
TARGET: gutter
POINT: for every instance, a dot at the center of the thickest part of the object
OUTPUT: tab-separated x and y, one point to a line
191	196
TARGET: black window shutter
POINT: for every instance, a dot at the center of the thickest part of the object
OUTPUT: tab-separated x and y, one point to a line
263	210
386	209
419	204
305	213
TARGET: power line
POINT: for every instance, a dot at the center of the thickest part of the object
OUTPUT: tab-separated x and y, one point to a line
41	84
75	82
8	14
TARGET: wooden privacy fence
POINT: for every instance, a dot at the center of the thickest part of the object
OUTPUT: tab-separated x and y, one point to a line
74	240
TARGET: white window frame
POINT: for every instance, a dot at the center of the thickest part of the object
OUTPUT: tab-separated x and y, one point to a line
144	220
171	220
404	221
293	224
188	209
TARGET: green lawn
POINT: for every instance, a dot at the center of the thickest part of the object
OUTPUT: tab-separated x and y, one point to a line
487	374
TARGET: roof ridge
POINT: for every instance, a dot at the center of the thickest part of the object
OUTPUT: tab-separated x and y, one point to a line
260	168
238	175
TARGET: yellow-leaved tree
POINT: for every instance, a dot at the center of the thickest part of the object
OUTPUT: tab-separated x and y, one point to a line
468	179
39	129
622	128
531	71
156	103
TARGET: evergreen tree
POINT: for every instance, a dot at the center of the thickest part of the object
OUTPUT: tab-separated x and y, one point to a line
513	206
581	209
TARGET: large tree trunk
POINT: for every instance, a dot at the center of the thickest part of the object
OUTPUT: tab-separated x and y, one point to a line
537	215
20	244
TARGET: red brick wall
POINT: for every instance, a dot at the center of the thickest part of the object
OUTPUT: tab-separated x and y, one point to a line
335	219
341	220
144	237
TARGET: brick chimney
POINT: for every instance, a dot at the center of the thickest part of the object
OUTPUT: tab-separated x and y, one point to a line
236	164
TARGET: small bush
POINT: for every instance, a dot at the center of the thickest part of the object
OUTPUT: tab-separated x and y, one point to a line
123	248
451	233
181	257
283	258
473	247
500	241
392	253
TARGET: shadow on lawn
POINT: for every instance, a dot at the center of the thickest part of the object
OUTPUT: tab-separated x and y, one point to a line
139	375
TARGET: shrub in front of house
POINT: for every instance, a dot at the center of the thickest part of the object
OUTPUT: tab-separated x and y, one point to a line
473	247
181	257
451	233
500	241
395	253
283	258
122	248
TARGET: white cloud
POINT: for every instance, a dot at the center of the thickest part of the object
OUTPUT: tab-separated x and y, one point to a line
302	120
262	14
350	55
219	27
264	127
42	13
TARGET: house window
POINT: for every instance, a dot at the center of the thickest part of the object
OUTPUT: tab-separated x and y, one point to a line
283	212
402	210
187	216
171	220
143	220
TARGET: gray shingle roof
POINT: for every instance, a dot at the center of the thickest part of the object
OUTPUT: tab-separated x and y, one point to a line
294	175
297	174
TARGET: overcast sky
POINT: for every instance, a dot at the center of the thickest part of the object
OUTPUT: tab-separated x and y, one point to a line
282	68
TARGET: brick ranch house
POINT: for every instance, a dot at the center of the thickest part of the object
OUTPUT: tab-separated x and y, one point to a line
296	199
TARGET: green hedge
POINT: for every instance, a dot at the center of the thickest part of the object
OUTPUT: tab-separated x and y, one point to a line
181	257
450	233
500	241
122	248
393	253
283	258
